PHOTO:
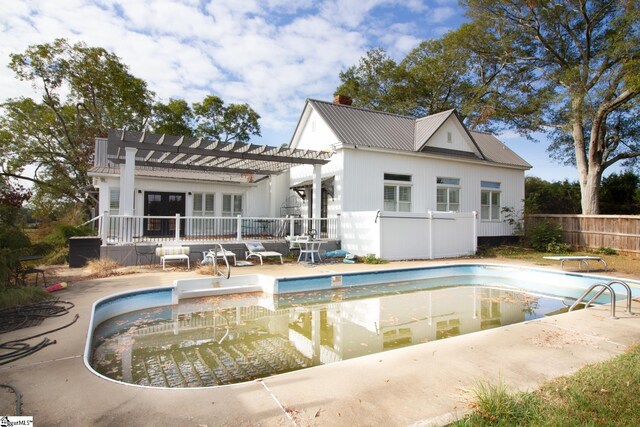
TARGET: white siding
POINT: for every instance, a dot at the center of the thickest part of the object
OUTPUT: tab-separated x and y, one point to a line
256	196
316	134
363	181
460	140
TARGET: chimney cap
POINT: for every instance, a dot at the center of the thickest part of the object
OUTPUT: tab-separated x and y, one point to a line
342	99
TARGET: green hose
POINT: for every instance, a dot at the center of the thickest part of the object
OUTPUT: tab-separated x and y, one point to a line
18	397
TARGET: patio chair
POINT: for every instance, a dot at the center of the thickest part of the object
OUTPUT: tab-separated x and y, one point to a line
173	253
258	250
145	253
219	254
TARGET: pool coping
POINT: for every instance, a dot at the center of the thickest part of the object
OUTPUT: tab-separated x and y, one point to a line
358	391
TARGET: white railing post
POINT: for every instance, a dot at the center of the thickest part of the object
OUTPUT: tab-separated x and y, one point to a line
239	228
104	232
177	227
291	226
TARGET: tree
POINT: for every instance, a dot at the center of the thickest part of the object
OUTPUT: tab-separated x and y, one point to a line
232	123
209	118
455	71
85	91
582	58
618	194
560	197
173	118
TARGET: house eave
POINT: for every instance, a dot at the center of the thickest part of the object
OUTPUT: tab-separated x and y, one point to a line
423	154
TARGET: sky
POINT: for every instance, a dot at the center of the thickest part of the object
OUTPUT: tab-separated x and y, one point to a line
270	54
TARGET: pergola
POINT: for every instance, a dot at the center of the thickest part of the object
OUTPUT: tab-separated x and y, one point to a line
145	150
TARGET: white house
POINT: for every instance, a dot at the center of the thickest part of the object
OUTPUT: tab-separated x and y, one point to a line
389	185
424	176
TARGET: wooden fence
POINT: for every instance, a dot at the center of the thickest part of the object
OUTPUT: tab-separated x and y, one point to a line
619	232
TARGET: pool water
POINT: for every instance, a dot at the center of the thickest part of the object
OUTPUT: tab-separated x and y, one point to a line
220	340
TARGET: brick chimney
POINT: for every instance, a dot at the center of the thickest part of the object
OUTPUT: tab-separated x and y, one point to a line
342	99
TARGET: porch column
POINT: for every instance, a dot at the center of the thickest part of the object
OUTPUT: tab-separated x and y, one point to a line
127	181
317	196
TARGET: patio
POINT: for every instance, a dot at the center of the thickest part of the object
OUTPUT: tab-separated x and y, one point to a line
427	384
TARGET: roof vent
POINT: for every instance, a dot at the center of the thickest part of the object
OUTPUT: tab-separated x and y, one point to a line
342	100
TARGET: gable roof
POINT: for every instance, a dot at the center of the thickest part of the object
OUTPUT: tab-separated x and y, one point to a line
497	152
378	129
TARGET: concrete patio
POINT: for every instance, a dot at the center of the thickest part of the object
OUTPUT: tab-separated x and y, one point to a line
422	385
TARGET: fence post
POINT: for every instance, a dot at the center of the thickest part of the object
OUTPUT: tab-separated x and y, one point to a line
291	226
104	232
239	228
475	232
177	227
430	216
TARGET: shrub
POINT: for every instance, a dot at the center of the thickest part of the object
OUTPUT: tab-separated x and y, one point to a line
21	295
372	259
607	251
558	247
544	233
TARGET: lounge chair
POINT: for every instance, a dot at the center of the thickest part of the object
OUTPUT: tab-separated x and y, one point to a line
258	250
219	254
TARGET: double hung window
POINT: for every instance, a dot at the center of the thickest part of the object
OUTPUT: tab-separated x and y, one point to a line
397	193
490	201
231	204
448	194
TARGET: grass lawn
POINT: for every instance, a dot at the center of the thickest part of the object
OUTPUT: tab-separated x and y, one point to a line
605	394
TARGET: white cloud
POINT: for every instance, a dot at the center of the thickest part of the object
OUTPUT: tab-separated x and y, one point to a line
271	54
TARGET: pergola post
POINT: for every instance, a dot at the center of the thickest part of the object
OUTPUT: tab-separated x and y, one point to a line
317	197
127	181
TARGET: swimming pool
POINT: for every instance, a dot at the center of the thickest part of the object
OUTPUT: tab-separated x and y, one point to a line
189	335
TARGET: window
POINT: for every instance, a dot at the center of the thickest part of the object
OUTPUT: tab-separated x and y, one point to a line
203	204
231	204
490	201
397	193
448	194
114	201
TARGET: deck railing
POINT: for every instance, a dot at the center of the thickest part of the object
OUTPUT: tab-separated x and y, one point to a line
123	229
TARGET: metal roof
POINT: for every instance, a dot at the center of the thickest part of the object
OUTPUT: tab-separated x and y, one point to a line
170	152
427	126
497	152
371	128
367	128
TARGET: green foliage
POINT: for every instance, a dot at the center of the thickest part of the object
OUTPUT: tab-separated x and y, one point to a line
560	197
582	62
173	118
495	405
558	247
607	251
515	219
618	194
372	259
209	118
232	123
84	91
12	296
545	235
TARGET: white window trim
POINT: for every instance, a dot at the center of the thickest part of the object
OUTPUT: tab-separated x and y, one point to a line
114	211
397	185
203	212
448	187
233	213
491	190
